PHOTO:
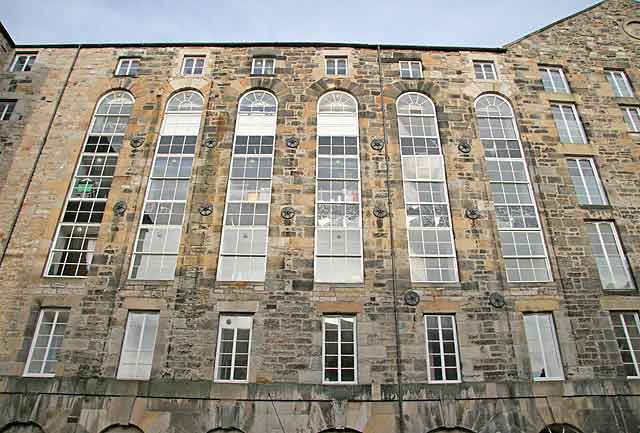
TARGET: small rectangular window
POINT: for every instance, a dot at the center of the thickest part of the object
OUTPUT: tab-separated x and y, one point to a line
47	342
234	347
6	109
632	118
263	66
626	327
484	70
411	69
553	80
610	258
138	346
336	65
23	62
542	342
128	67
586	181
193	65
443	360
619	83
568	124
339	350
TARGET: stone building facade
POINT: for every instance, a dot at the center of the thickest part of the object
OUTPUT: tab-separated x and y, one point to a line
496	387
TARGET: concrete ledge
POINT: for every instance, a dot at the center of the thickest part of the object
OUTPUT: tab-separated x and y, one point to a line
537	304
339	307
576	149
237	307
439	307
624	303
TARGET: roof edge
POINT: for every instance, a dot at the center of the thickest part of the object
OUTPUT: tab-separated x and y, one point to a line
6	35
261	44
555	23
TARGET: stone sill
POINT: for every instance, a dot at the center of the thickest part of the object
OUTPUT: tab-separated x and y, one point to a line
582	149
208	390
596	206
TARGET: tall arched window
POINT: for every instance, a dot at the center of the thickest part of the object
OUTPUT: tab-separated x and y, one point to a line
432	254
523	247
338	251
75	240
243	251
160	229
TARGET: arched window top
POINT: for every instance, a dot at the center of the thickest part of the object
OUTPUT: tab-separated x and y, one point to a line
337	102
258	101
559	428
493	106
415	104
186	102
115	103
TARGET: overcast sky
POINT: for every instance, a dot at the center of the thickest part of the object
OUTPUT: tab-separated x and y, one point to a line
421	22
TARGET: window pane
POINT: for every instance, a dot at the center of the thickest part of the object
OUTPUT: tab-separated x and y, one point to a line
442	348
523	247
612	265
75	241
234	341
543	346
138	347
245	233
47	342
160	229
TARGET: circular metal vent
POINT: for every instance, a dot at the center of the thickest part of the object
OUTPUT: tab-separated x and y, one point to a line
206	209
287	213
377	144
472	214
292	142
496	299
411	297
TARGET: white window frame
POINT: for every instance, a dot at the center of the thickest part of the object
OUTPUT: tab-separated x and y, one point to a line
594	168
336	60
554	87
239	318
627	337
442	352
565	123
523	161
131	316
35	338
356	157
256	117
538	339
632	124
69	198
31	59
443	182
621	254
483	64
141	224
406	70
355	350
195	59
127	71
263	69
612	76
5	112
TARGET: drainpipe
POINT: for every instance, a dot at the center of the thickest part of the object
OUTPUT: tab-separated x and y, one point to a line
393	252
38	155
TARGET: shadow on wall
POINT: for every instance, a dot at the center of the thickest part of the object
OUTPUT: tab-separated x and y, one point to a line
21	427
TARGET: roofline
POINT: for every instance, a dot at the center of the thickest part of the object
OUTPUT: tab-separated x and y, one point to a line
262	44
7	36
555	23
